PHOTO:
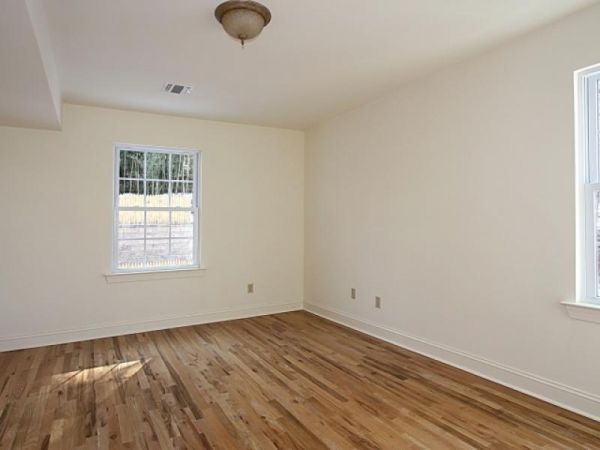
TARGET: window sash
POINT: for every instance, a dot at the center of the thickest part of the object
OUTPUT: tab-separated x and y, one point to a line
590	149
194	209
592	231
591	137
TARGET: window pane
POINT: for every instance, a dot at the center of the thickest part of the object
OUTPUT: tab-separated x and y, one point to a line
131	193
131	224
131	254
157	166
183	250
182	224
157	253
182	167
131	164
158	224
150	238
157	194
597	88
182	196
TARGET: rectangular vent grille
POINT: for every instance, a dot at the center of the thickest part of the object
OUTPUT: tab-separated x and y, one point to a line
177	89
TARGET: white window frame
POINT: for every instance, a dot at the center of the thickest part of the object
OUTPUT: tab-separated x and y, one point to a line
195	209
588	181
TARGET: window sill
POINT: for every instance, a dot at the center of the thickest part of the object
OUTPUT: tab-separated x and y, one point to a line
590	312
127	277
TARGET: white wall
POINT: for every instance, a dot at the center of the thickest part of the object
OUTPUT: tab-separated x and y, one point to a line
56	226
453	199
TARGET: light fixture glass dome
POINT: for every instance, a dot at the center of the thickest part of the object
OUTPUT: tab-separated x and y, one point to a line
243	20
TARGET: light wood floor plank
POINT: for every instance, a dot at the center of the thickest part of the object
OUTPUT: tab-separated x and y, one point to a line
287	381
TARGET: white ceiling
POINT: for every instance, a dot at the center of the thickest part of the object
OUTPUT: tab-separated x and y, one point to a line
315	59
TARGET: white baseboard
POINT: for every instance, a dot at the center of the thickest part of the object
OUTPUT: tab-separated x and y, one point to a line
580	402
119	329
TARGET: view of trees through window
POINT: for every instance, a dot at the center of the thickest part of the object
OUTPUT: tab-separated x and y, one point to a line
155	210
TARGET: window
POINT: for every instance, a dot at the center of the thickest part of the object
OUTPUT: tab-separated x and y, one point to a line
155	209
589	126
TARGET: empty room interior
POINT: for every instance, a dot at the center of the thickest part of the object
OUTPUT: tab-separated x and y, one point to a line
299	224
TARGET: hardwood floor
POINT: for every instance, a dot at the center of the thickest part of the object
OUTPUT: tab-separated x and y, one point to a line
288	381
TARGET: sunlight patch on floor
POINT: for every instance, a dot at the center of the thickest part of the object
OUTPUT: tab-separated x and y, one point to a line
123	370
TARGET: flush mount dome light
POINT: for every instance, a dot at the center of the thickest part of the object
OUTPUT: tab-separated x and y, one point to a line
243	19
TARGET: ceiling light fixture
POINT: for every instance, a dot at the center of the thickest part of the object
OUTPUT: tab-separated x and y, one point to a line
243	19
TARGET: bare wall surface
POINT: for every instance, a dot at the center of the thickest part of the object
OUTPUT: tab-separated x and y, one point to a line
56	227
453	200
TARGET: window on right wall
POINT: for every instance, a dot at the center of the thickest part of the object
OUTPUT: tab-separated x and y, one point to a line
588	123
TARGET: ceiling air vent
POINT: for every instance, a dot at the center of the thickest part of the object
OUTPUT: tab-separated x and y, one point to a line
177	89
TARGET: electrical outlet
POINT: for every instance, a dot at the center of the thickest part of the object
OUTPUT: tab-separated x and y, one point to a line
378	302
353	293
250	288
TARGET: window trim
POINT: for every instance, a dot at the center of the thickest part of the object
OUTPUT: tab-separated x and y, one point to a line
588	182
171	274
196	208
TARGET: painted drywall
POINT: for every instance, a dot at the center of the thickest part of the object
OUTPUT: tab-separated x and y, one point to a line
56	226
31	94
453	199
39	24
